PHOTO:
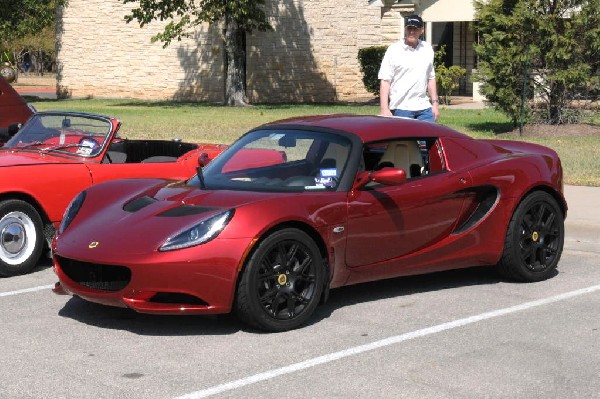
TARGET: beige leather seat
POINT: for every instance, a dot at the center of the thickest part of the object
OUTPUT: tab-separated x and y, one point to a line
403	155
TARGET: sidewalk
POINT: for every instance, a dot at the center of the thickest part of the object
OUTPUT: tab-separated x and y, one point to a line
583	217
30	83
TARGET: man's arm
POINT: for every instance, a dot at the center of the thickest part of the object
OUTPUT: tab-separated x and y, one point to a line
435	102
384	97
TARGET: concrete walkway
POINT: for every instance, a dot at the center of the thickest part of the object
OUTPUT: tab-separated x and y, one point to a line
583	217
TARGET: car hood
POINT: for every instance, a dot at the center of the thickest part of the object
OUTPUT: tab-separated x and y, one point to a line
137	216
28	157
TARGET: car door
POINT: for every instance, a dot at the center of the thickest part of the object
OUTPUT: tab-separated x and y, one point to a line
387	222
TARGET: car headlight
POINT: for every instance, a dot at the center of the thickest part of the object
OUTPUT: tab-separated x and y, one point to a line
200	233
71	211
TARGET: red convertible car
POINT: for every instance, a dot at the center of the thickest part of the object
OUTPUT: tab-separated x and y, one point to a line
300	206
53	157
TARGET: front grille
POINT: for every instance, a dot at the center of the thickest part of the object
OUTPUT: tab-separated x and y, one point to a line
96	276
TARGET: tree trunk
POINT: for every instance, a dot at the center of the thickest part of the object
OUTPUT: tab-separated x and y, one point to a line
235	64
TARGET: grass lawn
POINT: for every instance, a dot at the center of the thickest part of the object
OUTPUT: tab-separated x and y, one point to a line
216	124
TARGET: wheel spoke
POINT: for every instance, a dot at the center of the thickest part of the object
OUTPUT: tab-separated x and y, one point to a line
291	254
301	268
281	254
540	215
527	225
541	258
291	307
266	270
268	296
550	221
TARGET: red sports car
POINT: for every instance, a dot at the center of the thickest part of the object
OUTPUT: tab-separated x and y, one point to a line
300	206
53	157
13	109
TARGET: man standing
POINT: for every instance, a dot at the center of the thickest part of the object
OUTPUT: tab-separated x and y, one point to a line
407	74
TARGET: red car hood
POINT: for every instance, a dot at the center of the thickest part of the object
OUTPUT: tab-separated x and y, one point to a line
136	216
25	157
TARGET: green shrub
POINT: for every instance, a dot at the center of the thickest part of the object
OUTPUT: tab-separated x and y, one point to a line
447	77
370	61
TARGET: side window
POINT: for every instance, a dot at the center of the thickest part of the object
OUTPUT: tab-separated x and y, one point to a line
417	157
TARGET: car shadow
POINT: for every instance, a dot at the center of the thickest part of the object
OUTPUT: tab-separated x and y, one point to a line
43	264
114	318
405	286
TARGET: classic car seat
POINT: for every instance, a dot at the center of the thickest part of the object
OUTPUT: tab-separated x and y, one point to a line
403	155
114	157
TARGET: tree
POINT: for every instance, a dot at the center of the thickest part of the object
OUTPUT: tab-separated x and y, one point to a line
28	18
546	47
31	23
239	17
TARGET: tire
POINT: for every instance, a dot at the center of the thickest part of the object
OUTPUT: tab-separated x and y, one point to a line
282	282
534	239
21	237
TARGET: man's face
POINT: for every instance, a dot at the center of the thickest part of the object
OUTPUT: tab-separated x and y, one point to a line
412	33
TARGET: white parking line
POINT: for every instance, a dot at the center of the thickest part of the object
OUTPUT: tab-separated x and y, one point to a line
267	375
26	290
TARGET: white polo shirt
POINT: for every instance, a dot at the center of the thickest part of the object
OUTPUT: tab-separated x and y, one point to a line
408	69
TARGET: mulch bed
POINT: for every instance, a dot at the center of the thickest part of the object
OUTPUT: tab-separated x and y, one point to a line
572	130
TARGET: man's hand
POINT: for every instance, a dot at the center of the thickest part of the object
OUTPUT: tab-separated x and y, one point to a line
435	108
384	97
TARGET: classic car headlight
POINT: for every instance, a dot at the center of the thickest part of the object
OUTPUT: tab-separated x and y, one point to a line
71	211
200	233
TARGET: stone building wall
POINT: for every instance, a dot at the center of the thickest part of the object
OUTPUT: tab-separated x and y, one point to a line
311	54
99	55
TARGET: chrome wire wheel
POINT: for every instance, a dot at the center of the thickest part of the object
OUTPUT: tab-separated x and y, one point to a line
282	282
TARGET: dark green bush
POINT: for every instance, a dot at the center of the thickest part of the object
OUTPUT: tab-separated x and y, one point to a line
370	61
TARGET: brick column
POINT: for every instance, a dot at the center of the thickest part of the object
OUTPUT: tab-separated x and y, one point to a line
392	20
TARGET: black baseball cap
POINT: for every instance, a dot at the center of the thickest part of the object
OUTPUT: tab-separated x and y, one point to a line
413	20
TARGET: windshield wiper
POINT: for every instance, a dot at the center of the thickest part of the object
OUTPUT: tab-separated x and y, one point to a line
59	147
26	146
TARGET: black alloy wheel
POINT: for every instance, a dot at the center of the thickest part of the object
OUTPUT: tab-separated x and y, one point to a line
534	240
282	282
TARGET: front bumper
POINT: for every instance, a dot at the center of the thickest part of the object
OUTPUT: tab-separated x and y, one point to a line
175	282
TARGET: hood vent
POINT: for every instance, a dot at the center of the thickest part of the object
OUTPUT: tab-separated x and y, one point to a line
139	203
186	210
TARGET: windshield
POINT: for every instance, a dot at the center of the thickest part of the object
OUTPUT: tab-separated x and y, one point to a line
279	161
81	135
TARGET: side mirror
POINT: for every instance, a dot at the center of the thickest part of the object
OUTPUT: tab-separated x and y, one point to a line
386	176
13	128
203	159
389	176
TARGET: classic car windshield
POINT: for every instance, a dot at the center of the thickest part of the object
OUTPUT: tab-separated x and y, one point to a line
280	160
73	134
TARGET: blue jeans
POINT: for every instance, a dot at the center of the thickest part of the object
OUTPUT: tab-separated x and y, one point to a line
423	115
